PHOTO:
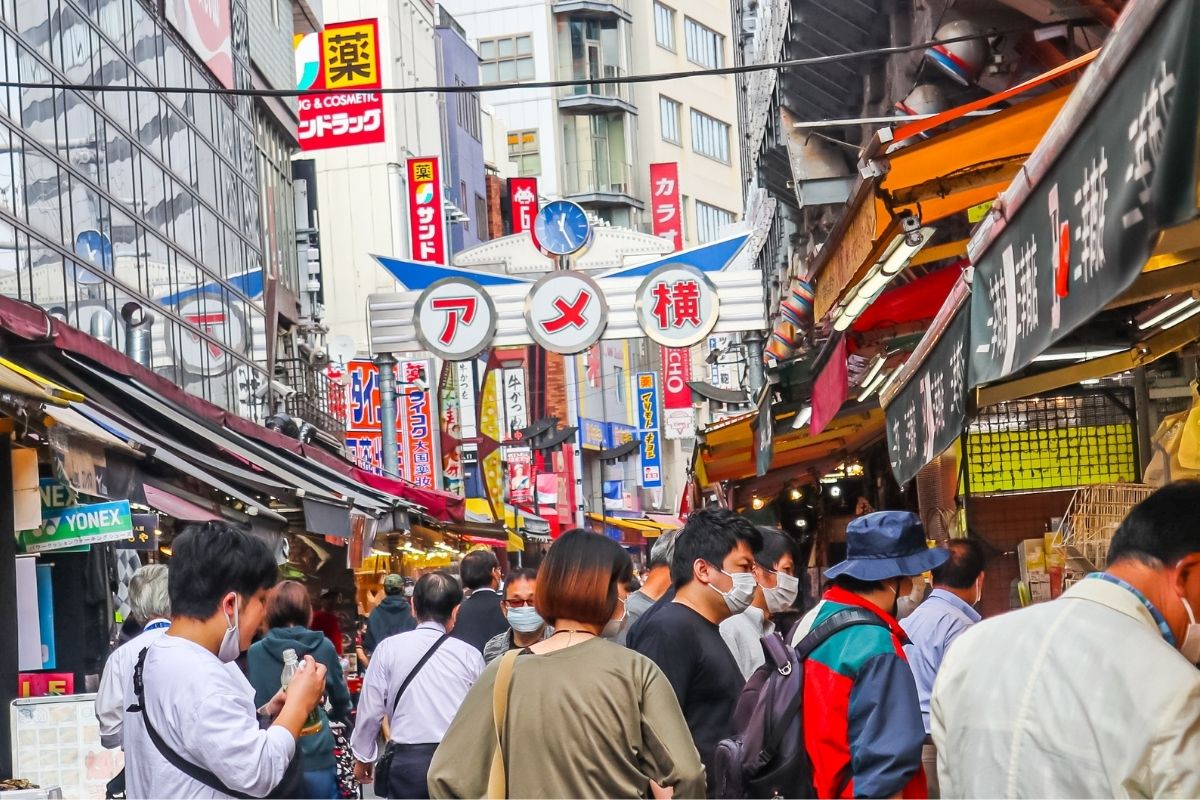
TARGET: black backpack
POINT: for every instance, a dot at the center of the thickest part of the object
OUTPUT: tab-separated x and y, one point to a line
767	756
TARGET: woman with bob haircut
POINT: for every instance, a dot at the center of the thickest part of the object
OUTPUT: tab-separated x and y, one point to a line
584	717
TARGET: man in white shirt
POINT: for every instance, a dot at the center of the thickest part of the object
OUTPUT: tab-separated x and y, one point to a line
151	608
1095	694
774	570
436	687
197	702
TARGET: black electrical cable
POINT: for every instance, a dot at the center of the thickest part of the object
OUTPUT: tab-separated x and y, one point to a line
500	87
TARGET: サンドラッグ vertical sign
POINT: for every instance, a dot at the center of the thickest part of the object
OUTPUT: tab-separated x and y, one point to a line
648	430
425	219
344	56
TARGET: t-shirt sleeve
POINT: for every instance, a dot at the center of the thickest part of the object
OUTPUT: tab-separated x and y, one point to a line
668	753
673	653
463	761
886	730
224	734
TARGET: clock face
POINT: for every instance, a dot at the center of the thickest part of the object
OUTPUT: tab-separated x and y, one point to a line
561	228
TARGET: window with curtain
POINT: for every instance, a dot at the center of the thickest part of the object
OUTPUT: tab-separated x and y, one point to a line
710	136
668	119
664	26
709	221
705	46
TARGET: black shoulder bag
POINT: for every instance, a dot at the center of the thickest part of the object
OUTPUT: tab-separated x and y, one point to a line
383	765
291	785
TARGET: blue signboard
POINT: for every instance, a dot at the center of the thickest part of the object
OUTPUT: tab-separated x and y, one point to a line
95	249
649	434
593	433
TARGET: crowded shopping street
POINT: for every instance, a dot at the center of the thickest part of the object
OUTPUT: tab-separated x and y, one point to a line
599	399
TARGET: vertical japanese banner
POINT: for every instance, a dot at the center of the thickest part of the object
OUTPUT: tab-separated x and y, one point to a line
679	417
425	218
451	428
516	408
416	424
523	196
343	56
665	213
648	430
520	476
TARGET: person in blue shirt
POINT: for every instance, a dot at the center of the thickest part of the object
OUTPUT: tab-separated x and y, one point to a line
936	623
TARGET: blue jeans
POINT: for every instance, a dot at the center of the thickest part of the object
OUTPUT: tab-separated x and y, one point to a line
321	784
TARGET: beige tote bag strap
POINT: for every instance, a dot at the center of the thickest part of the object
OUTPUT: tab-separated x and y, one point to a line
497	780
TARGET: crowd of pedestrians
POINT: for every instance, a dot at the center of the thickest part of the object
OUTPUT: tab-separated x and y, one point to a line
563	683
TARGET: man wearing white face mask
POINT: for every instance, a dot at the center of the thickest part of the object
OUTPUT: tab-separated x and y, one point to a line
197	733
527	625
712	569
935	624
774	568
1098	694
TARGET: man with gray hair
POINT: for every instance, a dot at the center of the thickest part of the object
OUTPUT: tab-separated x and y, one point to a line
150	605
658	582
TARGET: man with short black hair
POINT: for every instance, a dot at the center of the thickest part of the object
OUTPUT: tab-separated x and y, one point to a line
712	572
195	698
480	617
1099	695
417	681
947	613
774	572
657	585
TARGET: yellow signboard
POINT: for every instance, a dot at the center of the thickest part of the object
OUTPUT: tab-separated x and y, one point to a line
351	55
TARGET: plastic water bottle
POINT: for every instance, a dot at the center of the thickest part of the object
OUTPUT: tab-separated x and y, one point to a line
290	664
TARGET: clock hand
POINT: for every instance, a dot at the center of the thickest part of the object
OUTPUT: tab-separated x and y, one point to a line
562	226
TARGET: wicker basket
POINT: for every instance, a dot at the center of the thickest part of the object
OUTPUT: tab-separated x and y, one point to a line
1093	517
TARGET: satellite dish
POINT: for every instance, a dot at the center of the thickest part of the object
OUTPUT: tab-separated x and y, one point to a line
342	349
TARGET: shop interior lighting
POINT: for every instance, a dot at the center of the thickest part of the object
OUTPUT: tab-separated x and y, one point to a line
874	377
835	491
803	417
757	502
1089	382
1186	315
796	493
1077	355
889	380
1171	310
897	256
801	522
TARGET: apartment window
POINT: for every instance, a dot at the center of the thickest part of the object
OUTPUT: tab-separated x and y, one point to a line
468	110
481	218
668	119
664	26
523	149
705	46
509	58
709	221
710	137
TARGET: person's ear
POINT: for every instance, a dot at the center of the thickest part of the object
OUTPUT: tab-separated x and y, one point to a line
702	570
453	619
1186	571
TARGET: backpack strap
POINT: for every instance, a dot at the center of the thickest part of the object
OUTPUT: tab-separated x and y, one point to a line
838	621
413	672
198	774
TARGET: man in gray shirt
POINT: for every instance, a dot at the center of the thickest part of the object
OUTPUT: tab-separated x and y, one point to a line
658	582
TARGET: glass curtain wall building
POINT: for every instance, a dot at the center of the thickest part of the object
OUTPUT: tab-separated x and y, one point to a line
116	197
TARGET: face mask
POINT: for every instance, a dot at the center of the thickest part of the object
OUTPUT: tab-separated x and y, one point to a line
1191	639
784	594
525	619
408	591
613	627
231	642
739	596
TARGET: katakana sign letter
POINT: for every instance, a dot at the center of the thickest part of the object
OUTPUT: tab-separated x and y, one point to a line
456	308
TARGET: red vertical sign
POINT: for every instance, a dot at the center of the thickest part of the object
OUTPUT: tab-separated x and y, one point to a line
522	193
668	223
343	56
664	202
677	371
426	221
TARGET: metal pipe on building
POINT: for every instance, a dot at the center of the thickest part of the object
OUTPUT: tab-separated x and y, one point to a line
387	412
139	338
754	361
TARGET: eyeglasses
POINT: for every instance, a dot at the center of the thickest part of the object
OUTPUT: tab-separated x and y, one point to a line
519	603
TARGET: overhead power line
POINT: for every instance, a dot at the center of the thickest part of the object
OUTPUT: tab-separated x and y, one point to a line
501	87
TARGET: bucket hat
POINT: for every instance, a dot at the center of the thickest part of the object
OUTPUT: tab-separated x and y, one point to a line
887	544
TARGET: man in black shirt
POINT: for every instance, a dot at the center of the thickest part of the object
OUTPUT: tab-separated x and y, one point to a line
712	573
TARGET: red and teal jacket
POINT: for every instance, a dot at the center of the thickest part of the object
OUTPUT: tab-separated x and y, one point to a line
862	716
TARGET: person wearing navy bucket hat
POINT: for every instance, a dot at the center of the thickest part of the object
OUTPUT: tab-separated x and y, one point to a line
862	717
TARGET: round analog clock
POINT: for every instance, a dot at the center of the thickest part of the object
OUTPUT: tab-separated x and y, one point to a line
561	228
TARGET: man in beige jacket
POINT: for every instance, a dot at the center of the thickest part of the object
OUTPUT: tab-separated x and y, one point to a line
1095	694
